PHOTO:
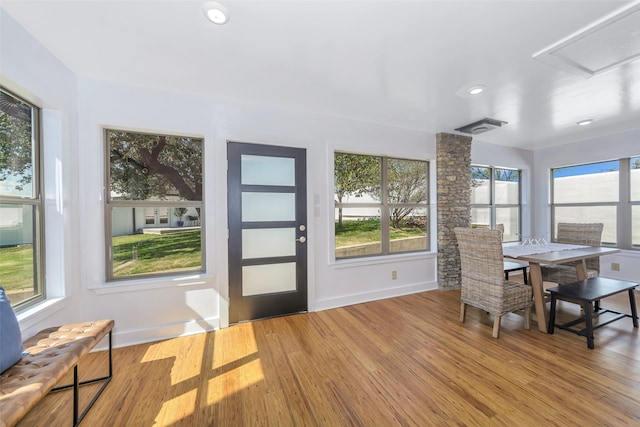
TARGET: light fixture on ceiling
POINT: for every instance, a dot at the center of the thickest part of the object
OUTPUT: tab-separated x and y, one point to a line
585	122
471	90
476	90
215	12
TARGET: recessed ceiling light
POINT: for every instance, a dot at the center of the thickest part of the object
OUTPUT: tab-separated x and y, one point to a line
476	90
585	122
215	12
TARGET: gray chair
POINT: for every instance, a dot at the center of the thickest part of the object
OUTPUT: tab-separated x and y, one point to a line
587	234
483	285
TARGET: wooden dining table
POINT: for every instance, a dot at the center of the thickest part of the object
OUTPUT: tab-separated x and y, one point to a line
552	253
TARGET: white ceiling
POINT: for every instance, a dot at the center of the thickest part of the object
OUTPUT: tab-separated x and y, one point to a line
399	63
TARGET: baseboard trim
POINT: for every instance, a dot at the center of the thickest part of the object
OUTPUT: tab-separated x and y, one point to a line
160	332
379	294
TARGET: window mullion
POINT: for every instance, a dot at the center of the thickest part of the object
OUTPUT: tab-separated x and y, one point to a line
385	235
492	190
624	206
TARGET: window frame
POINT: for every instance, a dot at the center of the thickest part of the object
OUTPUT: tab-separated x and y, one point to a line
111	204
36	202
386	206
493	206
624	205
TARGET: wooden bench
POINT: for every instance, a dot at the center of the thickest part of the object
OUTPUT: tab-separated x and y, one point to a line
52	353
586	293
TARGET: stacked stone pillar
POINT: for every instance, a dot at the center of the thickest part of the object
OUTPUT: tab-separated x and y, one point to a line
454	202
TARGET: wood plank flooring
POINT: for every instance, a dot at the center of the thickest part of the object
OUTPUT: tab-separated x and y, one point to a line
404	361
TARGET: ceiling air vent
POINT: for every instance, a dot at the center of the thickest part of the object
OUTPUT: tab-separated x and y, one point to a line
604	45
481	126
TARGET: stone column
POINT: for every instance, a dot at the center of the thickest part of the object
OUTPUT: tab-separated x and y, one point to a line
454	202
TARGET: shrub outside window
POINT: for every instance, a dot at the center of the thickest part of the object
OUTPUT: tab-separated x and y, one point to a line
606	192
381	205
495	200
154	205
21	208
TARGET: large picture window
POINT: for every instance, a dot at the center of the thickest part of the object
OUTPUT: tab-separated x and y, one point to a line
21	215
495	200
381	205
154	205
606	192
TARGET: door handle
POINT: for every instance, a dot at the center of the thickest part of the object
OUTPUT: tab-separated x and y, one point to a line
302	239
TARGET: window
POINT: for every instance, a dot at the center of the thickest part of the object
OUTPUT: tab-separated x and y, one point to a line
381	205
21	208
495	200
606	192
154	205
634	189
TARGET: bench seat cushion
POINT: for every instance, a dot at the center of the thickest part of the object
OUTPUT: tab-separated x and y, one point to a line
51	354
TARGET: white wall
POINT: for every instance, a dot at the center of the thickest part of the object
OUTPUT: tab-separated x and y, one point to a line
610	147
29	70
78	109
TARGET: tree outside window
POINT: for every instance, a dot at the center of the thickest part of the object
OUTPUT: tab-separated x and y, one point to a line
155	183
381	205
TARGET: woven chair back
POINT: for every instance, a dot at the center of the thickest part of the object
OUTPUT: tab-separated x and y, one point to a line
589	234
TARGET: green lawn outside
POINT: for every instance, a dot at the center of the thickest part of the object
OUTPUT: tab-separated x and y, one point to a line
156	253
16	267
135	254
368	231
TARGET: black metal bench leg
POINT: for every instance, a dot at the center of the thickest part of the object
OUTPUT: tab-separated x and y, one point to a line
77	418
75	395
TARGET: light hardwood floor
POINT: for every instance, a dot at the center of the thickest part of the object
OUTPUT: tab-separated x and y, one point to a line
404	361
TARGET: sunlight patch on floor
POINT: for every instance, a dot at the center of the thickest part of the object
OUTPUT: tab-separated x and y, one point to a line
189	366
177	409
234	381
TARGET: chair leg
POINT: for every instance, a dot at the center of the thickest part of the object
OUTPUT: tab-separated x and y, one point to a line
527	316
463	311
496	326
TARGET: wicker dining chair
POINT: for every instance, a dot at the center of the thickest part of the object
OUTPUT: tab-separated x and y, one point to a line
483	285
587	234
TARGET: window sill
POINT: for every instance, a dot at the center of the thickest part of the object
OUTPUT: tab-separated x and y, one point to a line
384	259
150	284
39	312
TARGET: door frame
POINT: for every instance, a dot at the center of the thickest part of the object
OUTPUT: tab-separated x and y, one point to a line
224	283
